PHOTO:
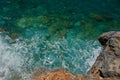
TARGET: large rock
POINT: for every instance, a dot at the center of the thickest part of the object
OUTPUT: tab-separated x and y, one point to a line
64	75
56	75
106	67
108	62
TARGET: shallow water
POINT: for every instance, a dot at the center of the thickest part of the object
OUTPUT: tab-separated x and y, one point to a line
52	34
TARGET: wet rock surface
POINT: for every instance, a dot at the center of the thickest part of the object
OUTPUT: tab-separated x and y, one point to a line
106	67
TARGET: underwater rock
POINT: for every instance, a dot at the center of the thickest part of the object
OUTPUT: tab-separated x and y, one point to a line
106	67
62	33
108	17
101	17
1	30
14	36
97	17
44	19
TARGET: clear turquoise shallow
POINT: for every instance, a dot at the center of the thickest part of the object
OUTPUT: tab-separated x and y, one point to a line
53	34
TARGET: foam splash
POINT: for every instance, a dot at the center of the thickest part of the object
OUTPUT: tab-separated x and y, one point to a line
11	60
19	58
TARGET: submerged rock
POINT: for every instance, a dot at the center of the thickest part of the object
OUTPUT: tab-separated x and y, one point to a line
101	17
14	36
1	30
97	17
106	67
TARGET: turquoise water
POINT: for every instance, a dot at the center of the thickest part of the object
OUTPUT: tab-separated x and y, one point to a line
52	34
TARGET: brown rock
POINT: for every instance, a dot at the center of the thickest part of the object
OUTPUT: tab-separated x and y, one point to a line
65	75
108	62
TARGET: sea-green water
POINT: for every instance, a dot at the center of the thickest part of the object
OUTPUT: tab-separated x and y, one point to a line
53	34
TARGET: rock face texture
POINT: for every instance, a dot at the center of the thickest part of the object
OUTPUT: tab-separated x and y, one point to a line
106	67
56	75
108	62
64	75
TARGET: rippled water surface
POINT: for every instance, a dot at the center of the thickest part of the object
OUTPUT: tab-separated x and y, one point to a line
52	34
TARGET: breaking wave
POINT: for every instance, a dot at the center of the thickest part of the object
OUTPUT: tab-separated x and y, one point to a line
18	58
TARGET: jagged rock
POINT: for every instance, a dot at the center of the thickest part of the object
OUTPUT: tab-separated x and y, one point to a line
56	75
97	17
106	67
108	62
65	75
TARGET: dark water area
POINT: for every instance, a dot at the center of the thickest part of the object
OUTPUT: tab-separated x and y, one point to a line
87	17
53	34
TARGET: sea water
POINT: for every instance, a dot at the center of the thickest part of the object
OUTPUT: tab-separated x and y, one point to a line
53	34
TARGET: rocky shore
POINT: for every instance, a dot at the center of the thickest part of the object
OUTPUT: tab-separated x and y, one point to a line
106	67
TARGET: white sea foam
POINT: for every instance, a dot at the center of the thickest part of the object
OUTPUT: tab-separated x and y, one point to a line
11	60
